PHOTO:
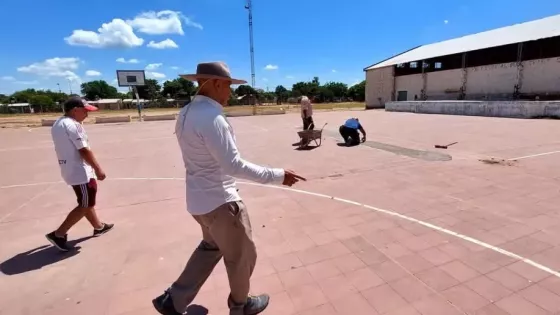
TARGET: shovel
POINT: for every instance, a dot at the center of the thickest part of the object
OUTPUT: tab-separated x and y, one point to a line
444	146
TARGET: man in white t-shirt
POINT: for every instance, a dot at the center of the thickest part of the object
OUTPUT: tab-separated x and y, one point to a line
78	168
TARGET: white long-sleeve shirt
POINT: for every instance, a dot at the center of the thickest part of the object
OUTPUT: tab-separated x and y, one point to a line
307	107
212	159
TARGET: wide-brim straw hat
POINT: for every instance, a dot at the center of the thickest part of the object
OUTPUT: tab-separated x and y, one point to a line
212	70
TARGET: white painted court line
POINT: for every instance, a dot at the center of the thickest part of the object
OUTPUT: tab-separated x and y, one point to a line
97	143
533	155
387	212
42	192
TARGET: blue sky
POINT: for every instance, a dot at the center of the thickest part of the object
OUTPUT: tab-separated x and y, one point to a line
49	42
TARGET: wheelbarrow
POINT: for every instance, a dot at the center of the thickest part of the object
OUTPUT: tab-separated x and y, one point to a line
306	136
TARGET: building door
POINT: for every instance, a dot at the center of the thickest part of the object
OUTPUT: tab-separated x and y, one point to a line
402	96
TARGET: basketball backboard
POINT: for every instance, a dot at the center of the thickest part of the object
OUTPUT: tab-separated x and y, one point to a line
131	77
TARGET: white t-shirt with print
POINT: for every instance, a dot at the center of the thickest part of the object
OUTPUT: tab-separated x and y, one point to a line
69	136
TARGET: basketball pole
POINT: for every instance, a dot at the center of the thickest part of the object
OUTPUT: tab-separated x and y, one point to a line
135	91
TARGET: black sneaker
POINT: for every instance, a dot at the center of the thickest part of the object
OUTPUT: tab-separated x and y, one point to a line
164	304
255	305
106	228
59	242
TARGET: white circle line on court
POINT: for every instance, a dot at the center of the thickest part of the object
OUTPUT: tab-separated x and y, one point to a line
384	211
532	156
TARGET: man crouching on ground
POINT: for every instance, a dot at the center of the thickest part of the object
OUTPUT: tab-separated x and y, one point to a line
211	159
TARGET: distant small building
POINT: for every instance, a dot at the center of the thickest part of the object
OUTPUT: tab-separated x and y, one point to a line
108	103
19	107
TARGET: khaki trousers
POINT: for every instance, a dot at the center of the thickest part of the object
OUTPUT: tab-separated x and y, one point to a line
227	233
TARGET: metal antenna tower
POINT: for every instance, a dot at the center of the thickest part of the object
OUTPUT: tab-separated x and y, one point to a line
249	7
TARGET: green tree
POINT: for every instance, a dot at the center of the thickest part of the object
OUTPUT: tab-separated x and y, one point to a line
282	93
338	89
244	90
267	97
23	96
310	89
358	92
126	95
44	102
98	89
4	99
324	95
178	88
150	91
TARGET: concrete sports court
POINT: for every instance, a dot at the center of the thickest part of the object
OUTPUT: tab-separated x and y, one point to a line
392	227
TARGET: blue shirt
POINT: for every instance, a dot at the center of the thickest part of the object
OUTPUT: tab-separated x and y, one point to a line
352	123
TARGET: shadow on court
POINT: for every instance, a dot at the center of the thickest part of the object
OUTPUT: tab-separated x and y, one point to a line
195	309
39	257
306	148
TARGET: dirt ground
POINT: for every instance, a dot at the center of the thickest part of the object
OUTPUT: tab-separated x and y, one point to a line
33	120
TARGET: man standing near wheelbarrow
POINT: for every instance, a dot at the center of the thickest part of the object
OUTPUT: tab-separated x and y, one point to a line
212	160
307	113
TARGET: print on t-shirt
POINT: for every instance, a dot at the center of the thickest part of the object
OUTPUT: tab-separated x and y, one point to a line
69	137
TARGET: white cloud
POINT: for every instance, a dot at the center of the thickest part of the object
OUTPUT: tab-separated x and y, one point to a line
445	21
271	67
175	68
290	77
8	78
333	71
164	44
54	67
122	60
162	22
115	34
153	66
93	73
27	82
155	75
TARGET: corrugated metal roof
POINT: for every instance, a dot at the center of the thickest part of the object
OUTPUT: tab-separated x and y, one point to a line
18	105
130	100
528	31
106	101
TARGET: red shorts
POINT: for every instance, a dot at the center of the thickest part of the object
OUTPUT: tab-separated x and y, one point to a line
86	193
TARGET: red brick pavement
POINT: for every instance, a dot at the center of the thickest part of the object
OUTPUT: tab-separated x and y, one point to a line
316	255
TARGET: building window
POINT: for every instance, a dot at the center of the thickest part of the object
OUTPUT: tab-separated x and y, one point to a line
400	65
425	65
437	65
414	64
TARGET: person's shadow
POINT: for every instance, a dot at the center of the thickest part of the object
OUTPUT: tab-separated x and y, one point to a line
39	257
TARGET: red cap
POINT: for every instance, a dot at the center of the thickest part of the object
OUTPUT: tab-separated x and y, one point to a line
77	101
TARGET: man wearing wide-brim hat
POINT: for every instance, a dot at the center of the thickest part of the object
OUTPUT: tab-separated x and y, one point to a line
212	160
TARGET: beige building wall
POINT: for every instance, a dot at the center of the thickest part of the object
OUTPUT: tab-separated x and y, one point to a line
412	84
492	79
379	87
443	84
541	76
